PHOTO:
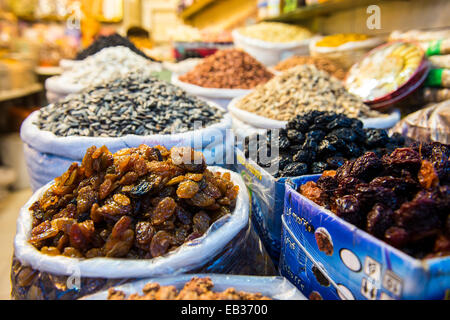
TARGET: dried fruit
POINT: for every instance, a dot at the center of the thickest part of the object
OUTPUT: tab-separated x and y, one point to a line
399	198
138	203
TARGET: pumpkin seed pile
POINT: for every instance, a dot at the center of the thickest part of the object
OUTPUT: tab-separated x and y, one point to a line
137	104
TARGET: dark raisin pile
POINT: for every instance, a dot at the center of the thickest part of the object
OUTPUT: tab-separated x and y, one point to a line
137	203
402	198
317	141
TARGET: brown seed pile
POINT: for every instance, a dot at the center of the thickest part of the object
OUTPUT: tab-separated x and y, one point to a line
138	203
195	289
302	89
320	63
230	69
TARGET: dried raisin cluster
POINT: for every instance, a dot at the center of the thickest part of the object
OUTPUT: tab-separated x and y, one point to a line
402	198
316	141
137	203
195	289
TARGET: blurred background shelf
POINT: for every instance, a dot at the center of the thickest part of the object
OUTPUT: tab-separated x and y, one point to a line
319	9
194	8
22	92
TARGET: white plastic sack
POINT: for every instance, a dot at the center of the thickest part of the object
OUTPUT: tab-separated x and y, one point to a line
187	257
258	121
48	156
218	95
277	288
55	85
270	53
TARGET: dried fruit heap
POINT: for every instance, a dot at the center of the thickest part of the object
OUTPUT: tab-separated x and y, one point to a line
195	289
402	198
316	141
231	68
138	203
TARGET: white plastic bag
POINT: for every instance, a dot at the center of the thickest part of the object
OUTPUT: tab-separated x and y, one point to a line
229	246
270	53
48	156
277	288
218	95
258	121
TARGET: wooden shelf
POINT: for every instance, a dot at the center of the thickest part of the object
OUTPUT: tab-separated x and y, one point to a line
194	8
19	93
315	10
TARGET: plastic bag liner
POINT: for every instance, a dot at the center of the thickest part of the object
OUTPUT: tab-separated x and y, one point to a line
55	85
229	246
258	121
270	53
220	96
48	156
267	202
277	288
429	124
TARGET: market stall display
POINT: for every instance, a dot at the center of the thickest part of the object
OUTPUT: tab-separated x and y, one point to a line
320	63
225	75
277	288
148	246
311	143
109	63
271	42
405	237
388	74
124	112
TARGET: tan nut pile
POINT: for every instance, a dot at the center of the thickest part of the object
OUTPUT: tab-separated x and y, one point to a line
320	63
301	89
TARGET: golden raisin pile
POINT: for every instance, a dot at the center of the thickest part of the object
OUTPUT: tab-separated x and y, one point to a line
137	203
195	289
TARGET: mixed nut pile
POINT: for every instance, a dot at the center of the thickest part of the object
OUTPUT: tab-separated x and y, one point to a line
316	141
301	89
109	63
320	63
137	104
402	198
231	68
195	289
137	203
113	40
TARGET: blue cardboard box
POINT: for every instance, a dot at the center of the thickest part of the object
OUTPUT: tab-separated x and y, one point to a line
267	199
327	257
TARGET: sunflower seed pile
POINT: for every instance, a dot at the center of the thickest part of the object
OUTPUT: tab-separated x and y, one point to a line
301	89
137	104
